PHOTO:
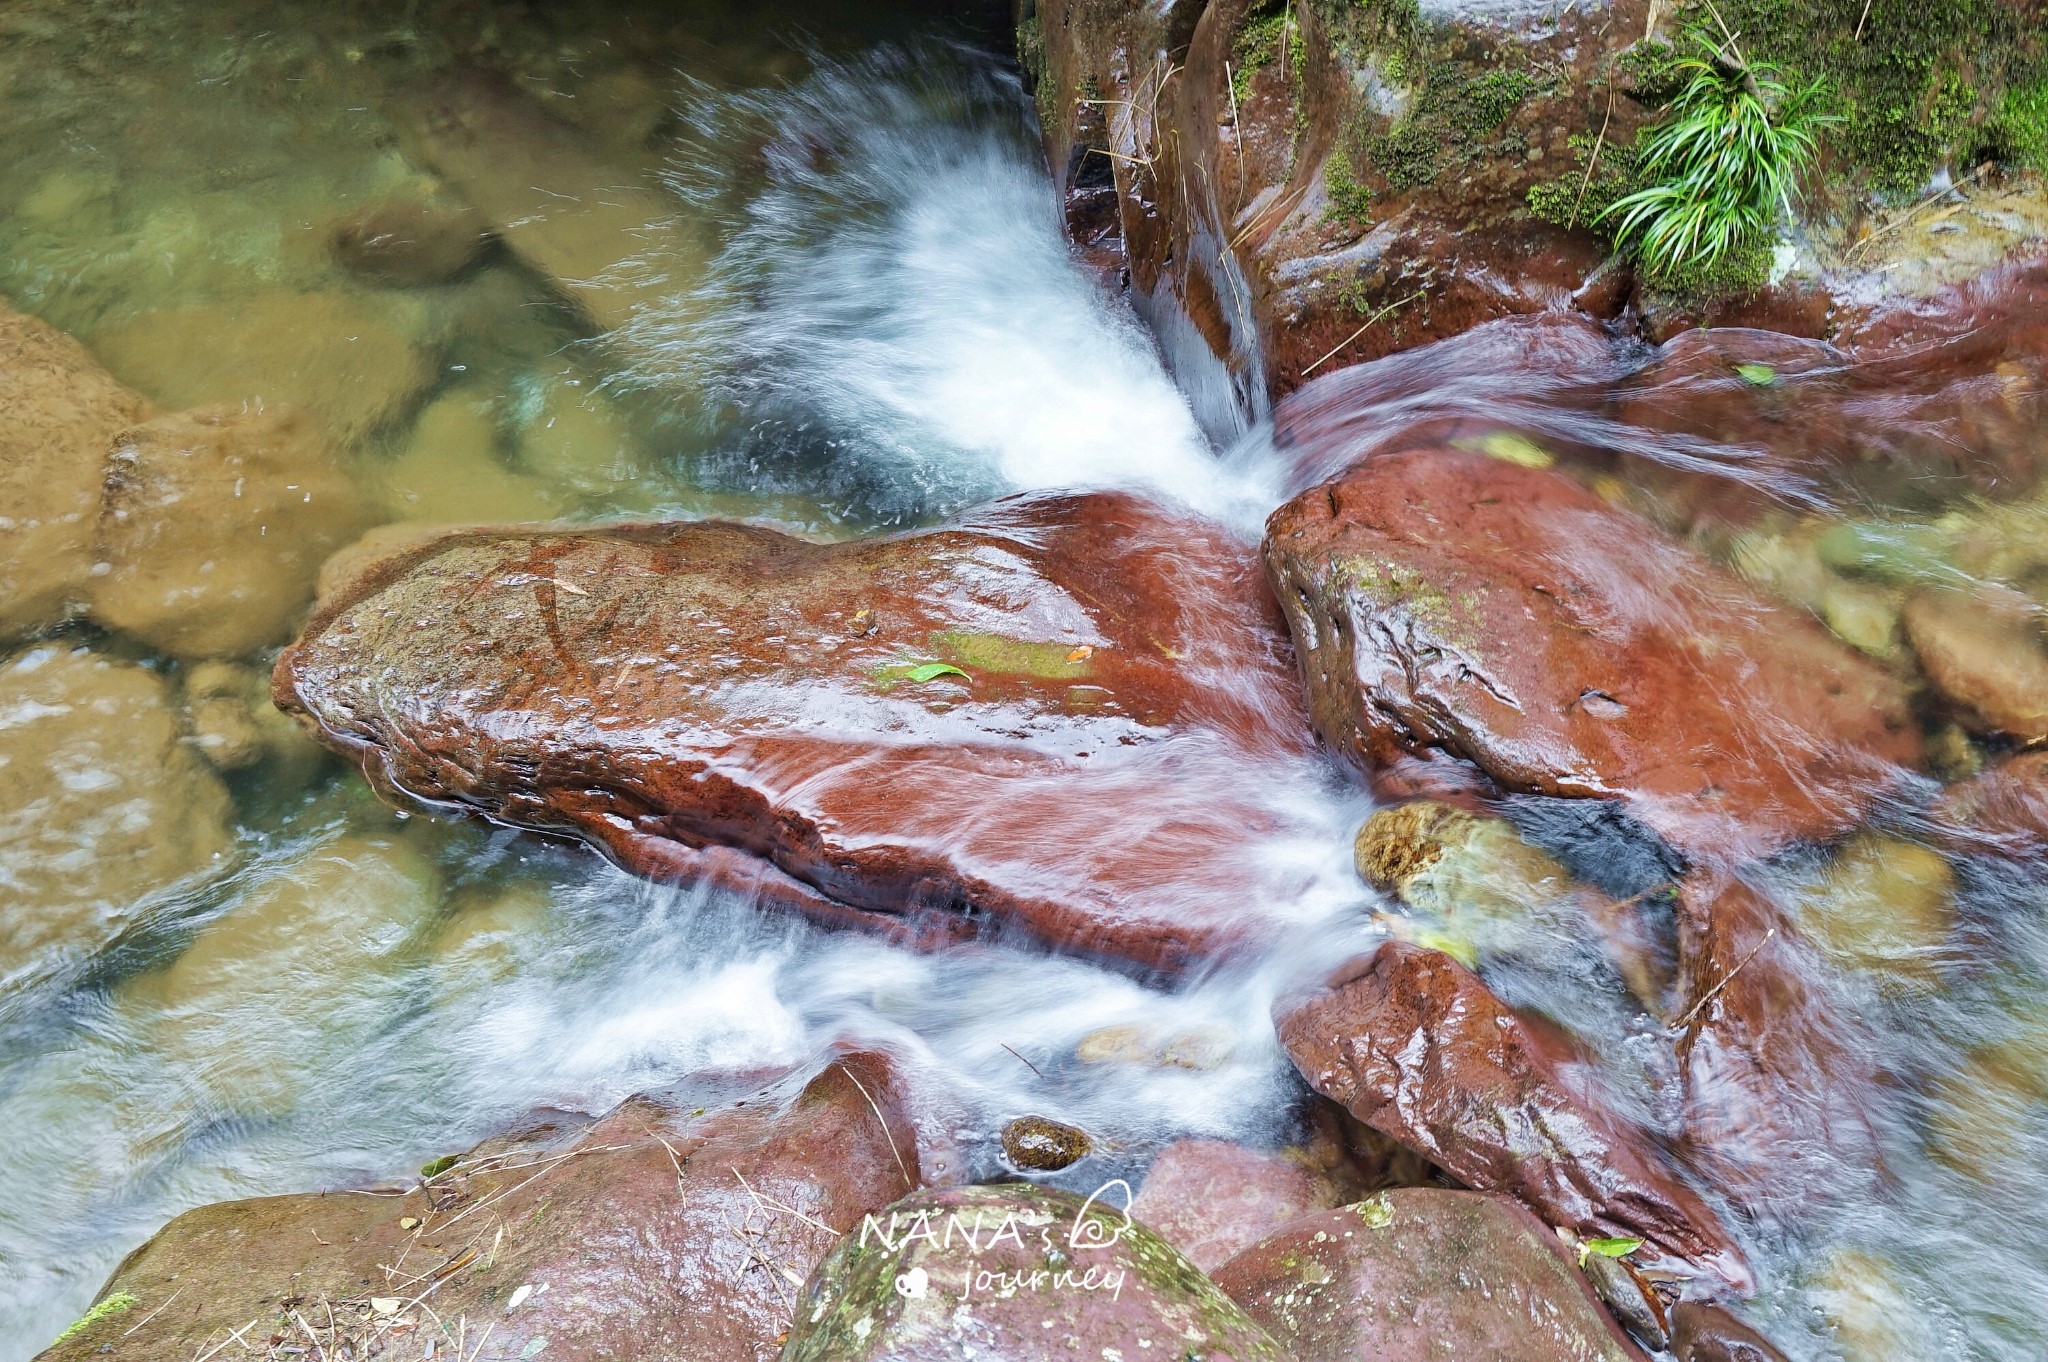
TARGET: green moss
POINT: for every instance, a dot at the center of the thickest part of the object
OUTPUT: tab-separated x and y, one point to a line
1013	657
1259	45
1350	201
1453	114
111	1306
2022	124
1915	90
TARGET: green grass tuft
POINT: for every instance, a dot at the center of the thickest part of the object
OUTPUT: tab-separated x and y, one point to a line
1719	170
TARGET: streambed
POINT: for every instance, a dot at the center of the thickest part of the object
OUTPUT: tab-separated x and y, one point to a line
823	286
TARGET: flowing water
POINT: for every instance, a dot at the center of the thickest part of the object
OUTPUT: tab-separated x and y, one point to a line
851	309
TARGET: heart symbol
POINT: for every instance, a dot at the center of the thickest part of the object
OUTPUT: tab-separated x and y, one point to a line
913	1284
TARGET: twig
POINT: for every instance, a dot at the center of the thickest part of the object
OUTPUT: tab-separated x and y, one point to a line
788	1210
235	1337
1025	1062
887	1134
1862	21
1593	162
1914	212
1361	331
307	1330
1682	1022
154	1313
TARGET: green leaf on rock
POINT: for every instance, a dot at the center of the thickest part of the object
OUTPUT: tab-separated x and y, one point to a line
1509	447
1757	375
926	671
1607	1248
434	1168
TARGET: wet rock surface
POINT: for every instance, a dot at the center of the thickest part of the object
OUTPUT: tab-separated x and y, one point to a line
214	526
1212	1198
1451	599
1982	649
1401	1275
102	800
62	412
649	1232
1018	1272
1042	1145
1708	1333
2003	809
1016	723
1417	1048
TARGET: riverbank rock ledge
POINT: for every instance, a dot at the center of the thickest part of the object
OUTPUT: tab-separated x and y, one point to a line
1404	1275
1018	1272
1417	1048
653	1232
1017	722
1447	599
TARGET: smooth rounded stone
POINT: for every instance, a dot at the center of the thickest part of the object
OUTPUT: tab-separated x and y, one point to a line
415	241
1702	1332
1410	1273
1863	616
1042	1145
1787	564
1414	1046
1017	1272
213	529
1869	1315
224	732
1903	552
1983	1112
63	410
303	967
653	1232
1445	598
1983	650
486	939
573	436
450	471
1212	1198
1628	1298
1200	1050
1094	685
354	360
102	801
1885	906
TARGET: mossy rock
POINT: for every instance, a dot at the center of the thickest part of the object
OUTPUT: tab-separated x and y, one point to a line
1019	1272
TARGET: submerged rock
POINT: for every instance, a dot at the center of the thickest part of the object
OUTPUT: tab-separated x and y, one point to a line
1408	1273
2004	809
410	242
1211	1198
1417	1048
1061	716
1017	1272
1983	650
1444	598
214	527
102	800
1042	1145
652	1232
355	360
62	412
1883	905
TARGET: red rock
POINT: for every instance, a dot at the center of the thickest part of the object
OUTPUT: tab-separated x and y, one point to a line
1420	1274
2004	809
1211	1198
1016	1272
649	1233
1417	1048
718	700
1776	1089
1708	1333
1445	598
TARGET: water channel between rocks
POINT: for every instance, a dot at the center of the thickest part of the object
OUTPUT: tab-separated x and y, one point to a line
816	278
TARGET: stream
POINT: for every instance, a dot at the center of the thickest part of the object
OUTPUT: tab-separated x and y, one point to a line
849	308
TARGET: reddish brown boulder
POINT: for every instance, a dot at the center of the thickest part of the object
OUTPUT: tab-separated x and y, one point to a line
1211	1198
1424	1273
649	1233
1708	1333
1447	598
1062	716
1417	1048
2004	809
1016	1272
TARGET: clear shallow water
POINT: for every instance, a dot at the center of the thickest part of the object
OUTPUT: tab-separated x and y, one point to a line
867	319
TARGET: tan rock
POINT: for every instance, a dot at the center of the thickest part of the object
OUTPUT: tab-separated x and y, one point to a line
61	409
101	801
1884	905
225	732
213	529
450	471
1980	1111
414	241
1982	650
354	360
